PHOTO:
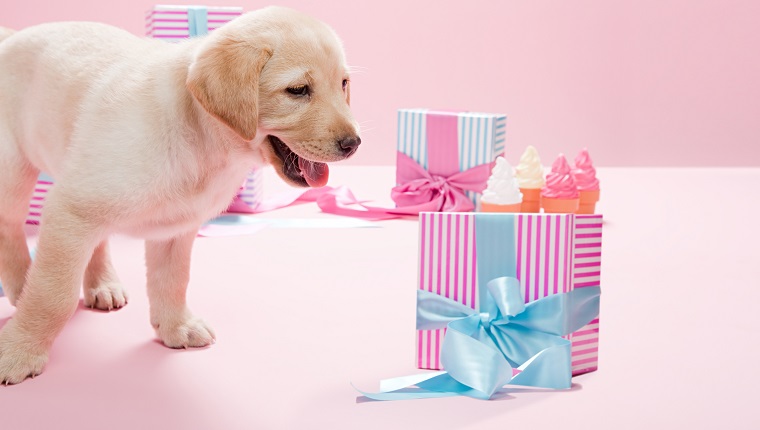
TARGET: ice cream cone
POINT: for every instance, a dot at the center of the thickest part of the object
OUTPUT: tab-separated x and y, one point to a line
588	185
588	201
502	192
531	200
492	207
559	206
560	194
530	179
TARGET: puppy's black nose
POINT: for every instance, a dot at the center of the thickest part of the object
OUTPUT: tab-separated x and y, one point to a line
349	144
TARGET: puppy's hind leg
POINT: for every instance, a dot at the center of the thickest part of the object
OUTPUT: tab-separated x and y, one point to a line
168	264
102	288
17	180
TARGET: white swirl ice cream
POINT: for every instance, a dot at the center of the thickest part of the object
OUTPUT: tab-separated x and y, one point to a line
502	187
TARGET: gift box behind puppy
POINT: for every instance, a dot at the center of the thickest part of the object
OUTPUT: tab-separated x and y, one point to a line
547	253
34	215
175	23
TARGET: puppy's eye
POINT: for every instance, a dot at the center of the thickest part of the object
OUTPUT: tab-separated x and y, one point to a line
300	90
345	84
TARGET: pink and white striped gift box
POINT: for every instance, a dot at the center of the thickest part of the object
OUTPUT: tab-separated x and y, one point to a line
553	253
444	143
171	23
44	183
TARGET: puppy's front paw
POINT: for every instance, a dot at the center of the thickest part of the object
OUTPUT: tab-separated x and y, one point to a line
106	296
186	332
17	359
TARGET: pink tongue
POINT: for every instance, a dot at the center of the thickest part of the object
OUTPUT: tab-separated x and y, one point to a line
316	174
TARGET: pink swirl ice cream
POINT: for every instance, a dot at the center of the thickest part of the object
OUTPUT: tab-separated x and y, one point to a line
585	173
559	182
585	179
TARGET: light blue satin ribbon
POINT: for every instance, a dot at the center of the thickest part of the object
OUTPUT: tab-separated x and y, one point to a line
197	20
504	342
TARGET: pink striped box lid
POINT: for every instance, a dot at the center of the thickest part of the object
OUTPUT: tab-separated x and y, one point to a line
553	253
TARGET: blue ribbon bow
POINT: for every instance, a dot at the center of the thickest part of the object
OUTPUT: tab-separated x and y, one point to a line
481	349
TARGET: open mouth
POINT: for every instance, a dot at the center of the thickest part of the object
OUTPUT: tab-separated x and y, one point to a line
298	169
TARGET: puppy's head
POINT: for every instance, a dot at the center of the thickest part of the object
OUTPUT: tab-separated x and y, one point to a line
279	78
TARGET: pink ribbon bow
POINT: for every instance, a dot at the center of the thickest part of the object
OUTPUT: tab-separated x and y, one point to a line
421	191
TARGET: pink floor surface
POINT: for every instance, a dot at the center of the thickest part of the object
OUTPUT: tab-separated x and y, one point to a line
301	314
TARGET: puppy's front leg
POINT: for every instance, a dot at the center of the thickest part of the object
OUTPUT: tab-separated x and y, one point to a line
50	295
168	264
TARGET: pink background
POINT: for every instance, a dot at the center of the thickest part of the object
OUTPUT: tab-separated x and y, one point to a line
640	83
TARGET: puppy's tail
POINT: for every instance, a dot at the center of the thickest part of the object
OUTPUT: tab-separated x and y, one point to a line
5	33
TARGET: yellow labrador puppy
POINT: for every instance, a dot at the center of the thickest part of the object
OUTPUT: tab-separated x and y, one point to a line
149	139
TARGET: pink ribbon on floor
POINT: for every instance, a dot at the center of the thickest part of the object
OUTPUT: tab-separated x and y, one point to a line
420	191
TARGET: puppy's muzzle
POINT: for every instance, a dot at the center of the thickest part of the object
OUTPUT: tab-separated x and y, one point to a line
349	145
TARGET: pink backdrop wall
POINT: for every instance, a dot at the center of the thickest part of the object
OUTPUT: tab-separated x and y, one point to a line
644	82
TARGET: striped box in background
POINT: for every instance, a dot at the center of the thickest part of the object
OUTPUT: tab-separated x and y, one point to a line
549	254
251	193
174	23
44	183
444	143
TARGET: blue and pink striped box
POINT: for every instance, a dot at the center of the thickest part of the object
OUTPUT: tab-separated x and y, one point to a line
551	253
470	140
175	23
44	183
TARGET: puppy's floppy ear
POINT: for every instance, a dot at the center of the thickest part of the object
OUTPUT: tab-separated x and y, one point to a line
224	78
